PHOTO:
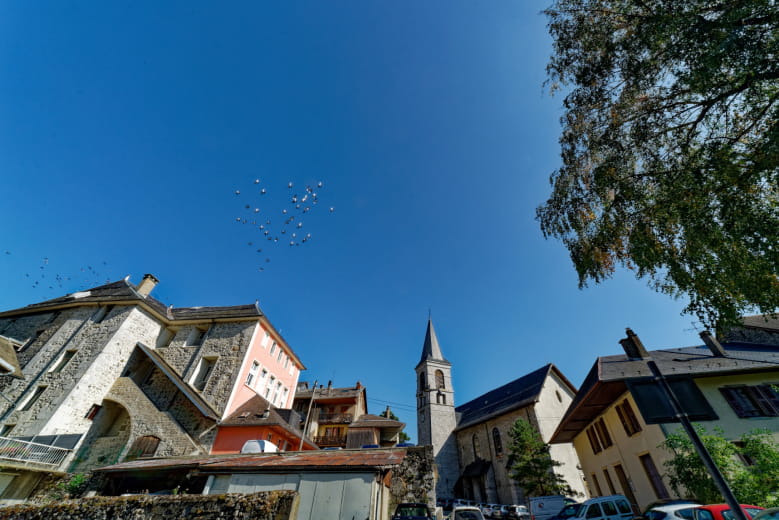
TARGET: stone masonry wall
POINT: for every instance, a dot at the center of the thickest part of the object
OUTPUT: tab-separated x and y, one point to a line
227	342
272	505
414	480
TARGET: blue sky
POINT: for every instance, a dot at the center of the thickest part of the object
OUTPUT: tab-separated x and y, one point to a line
127	127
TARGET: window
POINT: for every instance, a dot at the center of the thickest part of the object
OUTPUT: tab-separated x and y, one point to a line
599	436
203	371
497	442
252	373
752	401
143	447
594	511
623	506
166	337
286	361
196	337
603	433
596	484
27	404
422	381
270	387
92	412
266	339
281	353
276	393
558	396
628	418
7	428
593	438
608	507
439	379
263	377
284	397
273	348
476	447
610	484
101	313
62	361
654	476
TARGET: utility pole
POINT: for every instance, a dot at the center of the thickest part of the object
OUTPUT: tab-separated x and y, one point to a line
308	415
681	416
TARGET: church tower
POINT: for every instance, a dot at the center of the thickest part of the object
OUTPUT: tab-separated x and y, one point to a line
435	412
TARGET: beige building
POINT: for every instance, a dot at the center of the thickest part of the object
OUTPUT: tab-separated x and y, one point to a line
732	382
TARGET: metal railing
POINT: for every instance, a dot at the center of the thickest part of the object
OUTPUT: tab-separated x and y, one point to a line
335	418
31	452
330	440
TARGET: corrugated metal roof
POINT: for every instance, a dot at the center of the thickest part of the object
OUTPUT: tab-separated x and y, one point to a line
374	421
316	460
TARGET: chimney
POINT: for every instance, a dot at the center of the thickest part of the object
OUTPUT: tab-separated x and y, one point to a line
330	384
387	413
358	385
716	349
148	283
633	346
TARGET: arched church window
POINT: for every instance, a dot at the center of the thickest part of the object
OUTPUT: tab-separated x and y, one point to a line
496	440
476	447
439	379
422	381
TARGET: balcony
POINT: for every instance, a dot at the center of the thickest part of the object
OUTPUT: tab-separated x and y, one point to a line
330	441
26	453
335	418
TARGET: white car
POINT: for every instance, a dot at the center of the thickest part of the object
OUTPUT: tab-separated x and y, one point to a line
466	513
679	511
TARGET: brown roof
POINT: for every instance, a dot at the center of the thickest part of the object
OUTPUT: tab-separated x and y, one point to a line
324	393
314	460
606	380
252	413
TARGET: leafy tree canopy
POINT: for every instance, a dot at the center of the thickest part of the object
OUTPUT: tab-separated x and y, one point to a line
756	483
530	464
670	147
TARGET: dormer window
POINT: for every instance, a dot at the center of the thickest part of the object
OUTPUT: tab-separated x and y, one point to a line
203	372
101	313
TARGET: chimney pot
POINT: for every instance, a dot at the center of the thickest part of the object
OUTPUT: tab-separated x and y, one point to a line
716	348
148	283
633	347
358	386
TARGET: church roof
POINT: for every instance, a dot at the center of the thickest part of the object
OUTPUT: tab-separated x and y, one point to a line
511	396
431	350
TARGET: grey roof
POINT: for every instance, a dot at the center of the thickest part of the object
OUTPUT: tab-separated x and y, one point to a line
375	421
431	350
517	394
325	393
123	290
606	380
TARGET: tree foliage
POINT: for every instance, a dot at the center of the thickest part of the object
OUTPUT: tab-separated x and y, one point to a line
530	463
670	147
757	483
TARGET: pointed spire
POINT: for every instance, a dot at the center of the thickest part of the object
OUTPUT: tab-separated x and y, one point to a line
431	350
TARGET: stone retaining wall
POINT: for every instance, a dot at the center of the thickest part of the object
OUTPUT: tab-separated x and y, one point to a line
271	505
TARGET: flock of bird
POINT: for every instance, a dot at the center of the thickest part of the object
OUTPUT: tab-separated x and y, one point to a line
279	220
43	278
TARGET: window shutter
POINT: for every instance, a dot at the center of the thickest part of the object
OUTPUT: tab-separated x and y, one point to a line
604	433
593	438
631	417
624	421
738	402
767	399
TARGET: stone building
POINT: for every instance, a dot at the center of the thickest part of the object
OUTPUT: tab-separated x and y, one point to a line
112	374
470	442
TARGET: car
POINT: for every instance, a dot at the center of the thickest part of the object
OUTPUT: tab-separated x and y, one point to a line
516	512
612	507
768	514
669	510
723	512
466	513
412	511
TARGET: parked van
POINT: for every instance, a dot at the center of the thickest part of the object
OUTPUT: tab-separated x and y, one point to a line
543	508
259	446
613	507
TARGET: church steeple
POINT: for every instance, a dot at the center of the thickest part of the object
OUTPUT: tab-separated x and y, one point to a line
431	350
435	411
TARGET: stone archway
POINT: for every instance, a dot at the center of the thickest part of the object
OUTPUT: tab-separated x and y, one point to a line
106	439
